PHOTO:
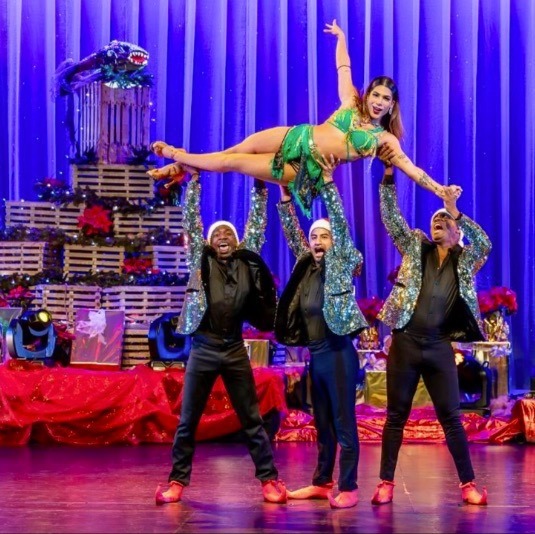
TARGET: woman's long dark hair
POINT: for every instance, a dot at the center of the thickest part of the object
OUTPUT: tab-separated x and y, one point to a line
391	123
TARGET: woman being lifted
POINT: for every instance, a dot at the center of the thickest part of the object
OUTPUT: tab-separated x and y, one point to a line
291	155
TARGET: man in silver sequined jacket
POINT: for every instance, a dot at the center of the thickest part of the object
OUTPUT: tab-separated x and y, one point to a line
229	284
433	302
318	309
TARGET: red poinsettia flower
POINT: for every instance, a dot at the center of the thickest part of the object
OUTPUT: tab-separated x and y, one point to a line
61	331
19	292
137	265
95	220
370	308
3	302
19	296
497	298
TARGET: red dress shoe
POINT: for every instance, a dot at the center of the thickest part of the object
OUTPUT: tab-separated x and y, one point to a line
345	499
384	493
470	494
172	173
172	494
311	492
274	491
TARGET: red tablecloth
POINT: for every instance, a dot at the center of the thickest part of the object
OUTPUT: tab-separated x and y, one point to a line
82	407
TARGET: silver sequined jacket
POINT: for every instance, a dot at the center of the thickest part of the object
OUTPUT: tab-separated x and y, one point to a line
263	299
464	323
342	262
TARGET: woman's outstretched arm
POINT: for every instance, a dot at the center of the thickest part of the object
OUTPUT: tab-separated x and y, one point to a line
391	150
346	89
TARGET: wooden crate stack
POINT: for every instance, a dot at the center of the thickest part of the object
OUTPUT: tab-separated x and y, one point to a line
165	218
62	301
43	215
24	257
80	259
143	304
127	181
113	122
135	346
169	259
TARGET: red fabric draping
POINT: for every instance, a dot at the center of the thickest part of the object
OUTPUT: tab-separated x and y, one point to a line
522	422
422	426
83	407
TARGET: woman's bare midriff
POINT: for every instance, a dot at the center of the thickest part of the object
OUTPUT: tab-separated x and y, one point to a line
330	140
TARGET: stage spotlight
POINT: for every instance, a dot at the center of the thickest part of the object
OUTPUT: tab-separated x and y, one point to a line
475	384
167	347
31	336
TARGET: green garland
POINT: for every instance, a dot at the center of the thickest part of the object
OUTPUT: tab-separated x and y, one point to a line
58	238
102	279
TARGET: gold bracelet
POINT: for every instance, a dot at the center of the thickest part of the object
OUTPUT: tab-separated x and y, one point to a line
341	66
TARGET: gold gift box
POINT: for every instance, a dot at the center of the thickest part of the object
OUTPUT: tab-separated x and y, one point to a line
258	351
375	391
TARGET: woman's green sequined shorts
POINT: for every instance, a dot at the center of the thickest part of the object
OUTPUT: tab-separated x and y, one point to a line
299	150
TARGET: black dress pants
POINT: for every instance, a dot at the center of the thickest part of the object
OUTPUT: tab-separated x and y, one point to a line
206	362
411	357
333	372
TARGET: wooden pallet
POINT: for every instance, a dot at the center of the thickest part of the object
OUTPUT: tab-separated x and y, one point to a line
47	214
114	122
169	259
135	346
79	259
62	301
165	218
25	257
43	215
143	304
125	181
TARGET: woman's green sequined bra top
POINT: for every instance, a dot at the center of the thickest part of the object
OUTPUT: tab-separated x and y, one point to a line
364	142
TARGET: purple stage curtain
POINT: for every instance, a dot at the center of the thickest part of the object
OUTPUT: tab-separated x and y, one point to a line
226	68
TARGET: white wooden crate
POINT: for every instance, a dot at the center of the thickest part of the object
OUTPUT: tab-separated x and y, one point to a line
62	301
25	257
114	122
135	346
125	181
143	304
168	258
165	218
46	214
43	215
81	259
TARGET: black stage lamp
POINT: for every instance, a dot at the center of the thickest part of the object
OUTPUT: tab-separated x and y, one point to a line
475	384
167	347
31	336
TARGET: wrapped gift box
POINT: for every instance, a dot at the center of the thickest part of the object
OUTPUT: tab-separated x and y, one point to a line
98	339
260	352
375	391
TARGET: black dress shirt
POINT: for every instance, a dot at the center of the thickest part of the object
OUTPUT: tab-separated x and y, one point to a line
437	297
311	294
228	288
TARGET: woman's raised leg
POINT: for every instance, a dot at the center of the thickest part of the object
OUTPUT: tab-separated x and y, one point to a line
263	142
255	165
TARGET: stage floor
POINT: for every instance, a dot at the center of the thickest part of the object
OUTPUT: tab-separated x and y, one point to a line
110	489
